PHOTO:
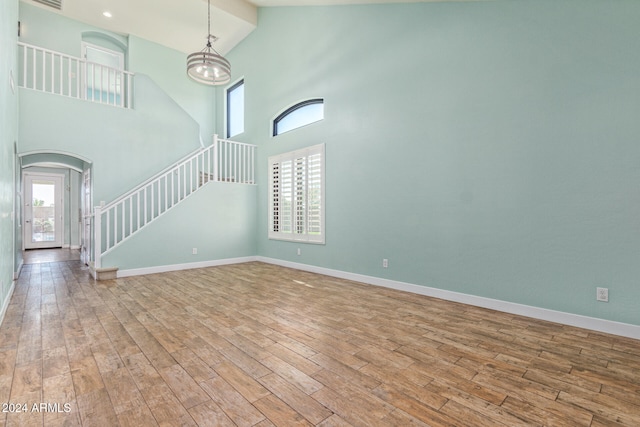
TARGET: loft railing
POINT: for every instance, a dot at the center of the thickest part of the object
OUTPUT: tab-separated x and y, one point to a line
223	161
61	74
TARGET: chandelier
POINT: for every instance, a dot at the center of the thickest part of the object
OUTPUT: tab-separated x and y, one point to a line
208	66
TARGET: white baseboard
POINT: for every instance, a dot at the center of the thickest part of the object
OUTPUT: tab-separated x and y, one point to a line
592	323
187	266
16	273
5	303
570	319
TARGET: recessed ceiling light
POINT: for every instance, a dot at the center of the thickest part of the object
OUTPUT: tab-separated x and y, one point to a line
107	14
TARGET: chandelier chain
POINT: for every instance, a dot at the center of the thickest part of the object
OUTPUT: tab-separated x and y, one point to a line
209	23
208	66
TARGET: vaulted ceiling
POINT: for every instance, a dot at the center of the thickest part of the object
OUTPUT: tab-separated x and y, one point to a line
181	24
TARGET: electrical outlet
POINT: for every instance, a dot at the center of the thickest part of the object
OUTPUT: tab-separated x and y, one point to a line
194	251
299	251
385	263
602	294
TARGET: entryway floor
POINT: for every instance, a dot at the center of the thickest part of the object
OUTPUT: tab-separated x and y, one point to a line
38	256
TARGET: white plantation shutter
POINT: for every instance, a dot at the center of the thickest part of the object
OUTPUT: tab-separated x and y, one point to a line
296	198
315	178
274	197
285	196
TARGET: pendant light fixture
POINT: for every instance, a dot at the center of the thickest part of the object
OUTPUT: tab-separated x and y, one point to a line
208	66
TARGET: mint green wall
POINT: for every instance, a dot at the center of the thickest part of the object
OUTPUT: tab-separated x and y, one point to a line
8	136
218	220
46	29
167	67
488	148
126	146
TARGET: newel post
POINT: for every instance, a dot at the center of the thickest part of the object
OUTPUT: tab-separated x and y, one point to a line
97	236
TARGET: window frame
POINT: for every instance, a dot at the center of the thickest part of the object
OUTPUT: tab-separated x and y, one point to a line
85	46
89	82
227	121
291	109
298	217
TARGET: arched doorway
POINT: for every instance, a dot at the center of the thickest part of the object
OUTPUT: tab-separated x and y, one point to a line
45	224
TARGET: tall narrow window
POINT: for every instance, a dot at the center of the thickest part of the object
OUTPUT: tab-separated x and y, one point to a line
296	195
235	109
298	115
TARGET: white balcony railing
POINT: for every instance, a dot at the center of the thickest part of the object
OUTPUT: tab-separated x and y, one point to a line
57	73
224	161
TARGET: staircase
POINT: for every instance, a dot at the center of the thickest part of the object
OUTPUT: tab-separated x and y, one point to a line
114	223
48	71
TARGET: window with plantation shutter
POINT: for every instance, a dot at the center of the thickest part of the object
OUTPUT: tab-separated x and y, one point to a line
296	195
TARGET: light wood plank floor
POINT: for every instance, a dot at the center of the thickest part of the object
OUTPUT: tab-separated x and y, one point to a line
37	256
260	345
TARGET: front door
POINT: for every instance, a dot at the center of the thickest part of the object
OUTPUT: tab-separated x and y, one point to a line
43	223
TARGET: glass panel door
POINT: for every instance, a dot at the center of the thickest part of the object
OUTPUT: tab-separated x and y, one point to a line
43	211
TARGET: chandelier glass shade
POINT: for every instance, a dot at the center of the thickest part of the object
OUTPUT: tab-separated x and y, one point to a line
208	66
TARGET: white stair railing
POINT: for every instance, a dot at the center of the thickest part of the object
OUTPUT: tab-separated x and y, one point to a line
61	74
223	161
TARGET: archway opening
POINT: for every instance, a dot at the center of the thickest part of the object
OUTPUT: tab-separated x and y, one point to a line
51	217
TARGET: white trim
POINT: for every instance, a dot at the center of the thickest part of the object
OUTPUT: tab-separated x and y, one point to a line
592	323
59	202
16	273
576	320
66	153
116	53
14	205
5	304
293	157
186	266
51	165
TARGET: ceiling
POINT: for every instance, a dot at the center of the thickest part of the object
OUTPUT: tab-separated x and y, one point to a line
182	24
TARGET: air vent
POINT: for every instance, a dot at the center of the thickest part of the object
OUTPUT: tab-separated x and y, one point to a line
56	4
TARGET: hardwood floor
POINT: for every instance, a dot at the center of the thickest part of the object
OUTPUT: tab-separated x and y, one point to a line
259	345
38	256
